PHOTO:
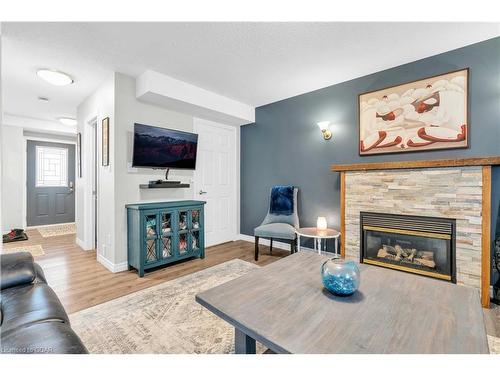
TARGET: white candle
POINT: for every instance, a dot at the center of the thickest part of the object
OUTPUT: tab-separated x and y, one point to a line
321	223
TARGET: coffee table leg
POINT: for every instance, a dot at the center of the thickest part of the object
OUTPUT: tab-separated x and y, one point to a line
243	344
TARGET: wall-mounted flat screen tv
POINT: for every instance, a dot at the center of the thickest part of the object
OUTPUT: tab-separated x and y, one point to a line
156	147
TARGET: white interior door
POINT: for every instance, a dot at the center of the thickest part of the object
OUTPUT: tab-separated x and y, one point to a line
215	179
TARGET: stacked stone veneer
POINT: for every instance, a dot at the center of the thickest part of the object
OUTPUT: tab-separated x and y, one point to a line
442	192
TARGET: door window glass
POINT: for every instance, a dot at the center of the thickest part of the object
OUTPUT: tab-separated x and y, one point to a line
51	166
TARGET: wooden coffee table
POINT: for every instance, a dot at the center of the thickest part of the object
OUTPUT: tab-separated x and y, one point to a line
285	307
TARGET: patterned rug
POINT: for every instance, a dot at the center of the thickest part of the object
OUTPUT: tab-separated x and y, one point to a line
166	318
35	250
162	319
57	230
494	344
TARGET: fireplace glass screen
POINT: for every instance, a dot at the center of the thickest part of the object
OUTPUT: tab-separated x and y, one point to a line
392	243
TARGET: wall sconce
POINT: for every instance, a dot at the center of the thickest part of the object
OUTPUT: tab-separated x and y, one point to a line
321	223
323	126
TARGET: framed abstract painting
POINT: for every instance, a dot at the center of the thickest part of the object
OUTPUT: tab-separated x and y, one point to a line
428	114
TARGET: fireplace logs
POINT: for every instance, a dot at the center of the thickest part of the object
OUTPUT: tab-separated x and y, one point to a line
414	256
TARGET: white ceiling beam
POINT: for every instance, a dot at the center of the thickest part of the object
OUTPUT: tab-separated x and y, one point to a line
38	125
171	93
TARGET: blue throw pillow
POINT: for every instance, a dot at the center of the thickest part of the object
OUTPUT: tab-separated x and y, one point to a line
281	200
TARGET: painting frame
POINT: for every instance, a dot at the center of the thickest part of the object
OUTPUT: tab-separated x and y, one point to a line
436	145
105	142
79	154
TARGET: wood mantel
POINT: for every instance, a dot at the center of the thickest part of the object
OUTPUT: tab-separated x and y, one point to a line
461	162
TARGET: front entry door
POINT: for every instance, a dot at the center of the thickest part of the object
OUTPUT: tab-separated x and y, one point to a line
50	183
215	179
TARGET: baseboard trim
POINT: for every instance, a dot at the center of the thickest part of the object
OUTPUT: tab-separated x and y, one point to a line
276	244
118	267
81	243
48	225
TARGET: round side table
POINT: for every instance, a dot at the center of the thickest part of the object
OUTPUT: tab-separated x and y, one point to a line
319	235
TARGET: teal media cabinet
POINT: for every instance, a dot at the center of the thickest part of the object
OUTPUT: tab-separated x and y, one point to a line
164	232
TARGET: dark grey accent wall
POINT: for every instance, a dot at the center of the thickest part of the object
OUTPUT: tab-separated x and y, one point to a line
284	145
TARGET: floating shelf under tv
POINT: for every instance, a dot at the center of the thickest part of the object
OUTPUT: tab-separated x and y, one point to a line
163	186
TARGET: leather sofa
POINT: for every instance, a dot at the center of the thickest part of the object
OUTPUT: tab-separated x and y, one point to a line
33	320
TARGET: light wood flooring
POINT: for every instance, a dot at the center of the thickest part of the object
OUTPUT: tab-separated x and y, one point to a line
81	282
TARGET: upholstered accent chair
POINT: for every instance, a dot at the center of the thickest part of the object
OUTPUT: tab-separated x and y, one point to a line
280	227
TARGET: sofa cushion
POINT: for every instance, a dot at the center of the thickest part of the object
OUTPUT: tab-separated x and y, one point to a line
276	230
29	304
42	338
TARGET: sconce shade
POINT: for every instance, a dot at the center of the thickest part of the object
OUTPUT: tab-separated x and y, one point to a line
323	125
321	223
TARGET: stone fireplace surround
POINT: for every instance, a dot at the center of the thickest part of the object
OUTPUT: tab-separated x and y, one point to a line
458	189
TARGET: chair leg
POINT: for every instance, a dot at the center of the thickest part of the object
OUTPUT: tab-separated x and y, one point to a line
295	245
271	246
291	247
256	248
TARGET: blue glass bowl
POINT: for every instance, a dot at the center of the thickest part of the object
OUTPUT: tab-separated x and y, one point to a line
340	277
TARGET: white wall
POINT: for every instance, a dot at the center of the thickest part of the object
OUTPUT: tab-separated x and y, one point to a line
119	182
99	105
129	110
12	177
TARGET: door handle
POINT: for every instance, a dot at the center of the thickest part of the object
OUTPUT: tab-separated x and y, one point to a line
71	186
202	192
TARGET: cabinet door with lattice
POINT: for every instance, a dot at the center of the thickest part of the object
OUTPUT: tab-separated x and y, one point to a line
195	216
182	232
151	237
166	234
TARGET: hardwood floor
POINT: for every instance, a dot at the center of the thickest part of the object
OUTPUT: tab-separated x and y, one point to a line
81	282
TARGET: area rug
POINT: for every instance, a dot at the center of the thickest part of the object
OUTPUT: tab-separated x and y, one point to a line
494	344
162	319
35	250
57	230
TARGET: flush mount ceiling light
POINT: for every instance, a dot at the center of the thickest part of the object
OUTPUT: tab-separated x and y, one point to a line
55	77
67	121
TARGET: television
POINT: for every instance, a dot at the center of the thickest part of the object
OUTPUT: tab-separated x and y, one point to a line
156	147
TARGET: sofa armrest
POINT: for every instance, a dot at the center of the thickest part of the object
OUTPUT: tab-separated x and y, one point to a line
40	275
17	269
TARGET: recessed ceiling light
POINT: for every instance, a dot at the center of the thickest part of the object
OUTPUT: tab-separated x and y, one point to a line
55	77
67	121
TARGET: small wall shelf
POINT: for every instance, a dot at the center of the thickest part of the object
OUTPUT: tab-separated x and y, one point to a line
163	186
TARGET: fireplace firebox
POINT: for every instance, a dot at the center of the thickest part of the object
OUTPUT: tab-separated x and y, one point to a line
416	244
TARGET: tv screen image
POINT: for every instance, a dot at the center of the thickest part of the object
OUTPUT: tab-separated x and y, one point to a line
156	147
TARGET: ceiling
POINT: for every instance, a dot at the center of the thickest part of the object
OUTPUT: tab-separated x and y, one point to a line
255	63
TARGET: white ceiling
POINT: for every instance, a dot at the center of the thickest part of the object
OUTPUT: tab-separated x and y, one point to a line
255	63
